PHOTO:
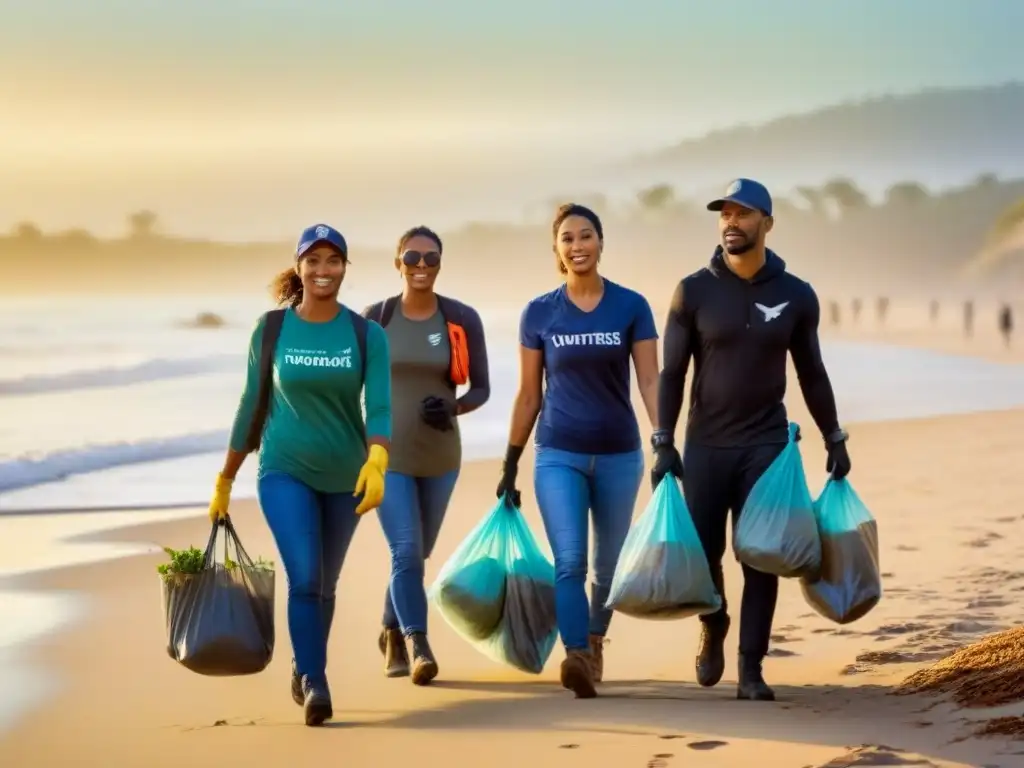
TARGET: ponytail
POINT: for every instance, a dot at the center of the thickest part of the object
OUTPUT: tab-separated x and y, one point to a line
287	288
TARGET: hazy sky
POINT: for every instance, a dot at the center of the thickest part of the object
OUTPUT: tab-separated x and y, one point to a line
162	94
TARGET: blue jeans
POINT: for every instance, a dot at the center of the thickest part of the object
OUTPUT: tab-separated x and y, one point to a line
411	516
312	531
567	486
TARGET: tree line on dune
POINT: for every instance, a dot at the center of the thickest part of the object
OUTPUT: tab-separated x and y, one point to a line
831	232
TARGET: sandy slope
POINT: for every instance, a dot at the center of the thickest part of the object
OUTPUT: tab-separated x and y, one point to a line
948	499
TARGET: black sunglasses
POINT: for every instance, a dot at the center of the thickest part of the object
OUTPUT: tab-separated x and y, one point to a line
412	258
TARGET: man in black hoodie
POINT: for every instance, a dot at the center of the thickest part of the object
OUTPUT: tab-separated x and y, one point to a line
738	318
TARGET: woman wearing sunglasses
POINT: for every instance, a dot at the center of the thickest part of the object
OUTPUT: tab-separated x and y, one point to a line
437	345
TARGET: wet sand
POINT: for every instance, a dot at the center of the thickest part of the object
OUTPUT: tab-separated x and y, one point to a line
948	501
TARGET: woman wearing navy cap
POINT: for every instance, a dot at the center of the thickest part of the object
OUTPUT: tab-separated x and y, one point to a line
321	465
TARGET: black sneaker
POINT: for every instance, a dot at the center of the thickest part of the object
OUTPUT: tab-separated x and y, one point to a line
711	656
752	686
424	665
316	702
297	695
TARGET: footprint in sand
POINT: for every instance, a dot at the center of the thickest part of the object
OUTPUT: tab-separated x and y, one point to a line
568	746
703	746
906	548
987	602
1009	519
781	653
900	629
667	736
659	761
780	639
982	541
878	755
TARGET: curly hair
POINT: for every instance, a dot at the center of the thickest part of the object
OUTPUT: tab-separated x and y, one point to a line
563	213
286	288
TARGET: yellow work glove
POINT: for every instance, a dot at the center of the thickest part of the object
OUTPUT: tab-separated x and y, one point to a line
371	479
221	498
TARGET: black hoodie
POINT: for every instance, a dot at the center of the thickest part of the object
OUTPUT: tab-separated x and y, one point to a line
739	332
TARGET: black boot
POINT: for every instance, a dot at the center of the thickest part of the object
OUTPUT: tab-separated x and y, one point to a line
711	656
316	702
424	665
297	695
396	655
752	686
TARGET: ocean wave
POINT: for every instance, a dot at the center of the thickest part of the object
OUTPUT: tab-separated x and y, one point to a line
152	370
25	472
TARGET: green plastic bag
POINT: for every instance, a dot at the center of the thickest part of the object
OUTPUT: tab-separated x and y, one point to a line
497	591
850	582
662	572
777	532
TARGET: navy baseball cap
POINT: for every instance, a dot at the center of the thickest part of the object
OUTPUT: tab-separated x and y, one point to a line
320	233
746	192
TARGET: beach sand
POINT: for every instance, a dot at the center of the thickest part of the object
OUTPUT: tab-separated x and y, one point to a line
948	499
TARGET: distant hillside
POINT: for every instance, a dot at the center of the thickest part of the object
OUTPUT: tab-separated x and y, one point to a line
938	137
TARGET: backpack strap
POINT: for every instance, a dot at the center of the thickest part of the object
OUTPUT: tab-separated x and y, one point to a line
458	345
387	310
272	322
361	326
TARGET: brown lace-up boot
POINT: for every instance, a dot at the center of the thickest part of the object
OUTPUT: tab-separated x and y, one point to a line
578	674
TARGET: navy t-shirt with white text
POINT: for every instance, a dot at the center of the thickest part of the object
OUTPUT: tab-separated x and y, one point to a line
586	407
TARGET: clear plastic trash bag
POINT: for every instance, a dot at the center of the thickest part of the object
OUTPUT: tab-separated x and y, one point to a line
662	572
777	532
497	591
850	582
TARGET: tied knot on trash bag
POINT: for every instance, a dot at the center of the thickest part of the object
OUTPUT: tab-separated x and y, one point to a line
849	583
497	591
777	532
219	613
662	572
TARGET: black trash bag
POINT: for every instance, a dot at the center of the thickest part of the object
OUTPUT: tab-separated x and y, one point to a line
531	628
474	597
220	621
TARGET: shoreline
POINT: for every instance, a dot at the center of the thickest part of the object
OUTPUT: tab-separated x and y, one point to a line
163	716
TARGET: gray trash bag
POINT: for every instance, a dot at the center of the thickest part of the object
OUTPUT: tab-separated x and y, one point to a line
220	621
777	532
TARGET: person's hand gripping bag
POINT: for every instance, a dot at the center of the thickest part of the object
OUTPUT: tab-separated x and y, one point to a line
777	532
662	572
850	582
469	590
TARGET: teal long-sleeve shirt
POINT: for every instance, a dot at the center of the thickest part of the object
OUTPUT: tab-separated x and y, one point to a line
315	428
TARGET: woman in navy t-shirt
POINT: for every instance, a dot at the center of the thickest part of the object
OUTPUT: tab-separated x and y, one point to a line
578	340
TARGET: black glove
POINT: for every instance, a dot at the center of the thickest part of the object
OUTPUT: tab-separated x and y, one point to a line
667	460
437	413
509	472
838	464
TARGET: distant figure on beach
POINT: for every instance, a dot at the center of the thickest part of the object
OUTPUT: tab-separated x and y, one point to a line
737	423
856	307
968	318
882	309
437	344
933	311
321	464
834	313
579	340
1006	323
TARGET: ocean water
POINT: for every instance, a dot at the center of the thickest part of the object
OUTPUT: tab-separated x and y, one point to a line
117	404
